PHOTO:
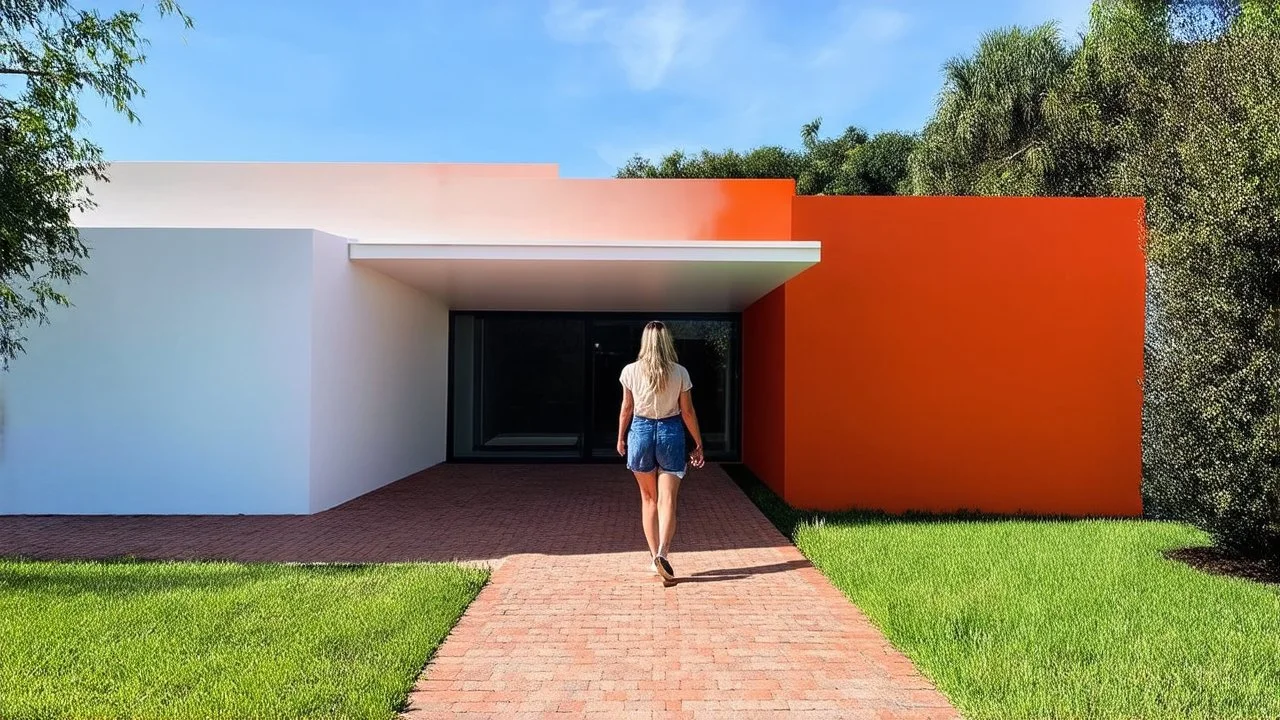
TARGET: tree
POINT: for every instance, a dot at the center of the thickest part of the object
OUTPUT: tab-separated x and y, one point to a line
826	169
881	166
51	54
760	163
850	164
988	135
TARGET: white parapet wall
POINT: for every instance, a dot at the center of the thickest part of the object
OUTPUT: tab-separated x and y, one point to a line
218	371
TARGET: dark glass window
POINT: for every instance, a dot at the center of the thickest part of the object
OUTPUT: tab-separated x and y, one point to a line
518	386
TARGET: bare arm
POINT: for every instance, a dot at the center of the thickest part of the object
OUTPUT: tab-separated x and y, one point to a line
691	421
624	419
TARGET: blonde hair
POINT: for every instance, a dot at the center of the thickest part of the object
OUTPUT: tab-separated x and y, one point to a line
657	357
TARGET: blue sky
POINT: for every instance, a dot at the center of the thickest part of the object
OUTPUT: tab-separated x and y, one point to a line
581	83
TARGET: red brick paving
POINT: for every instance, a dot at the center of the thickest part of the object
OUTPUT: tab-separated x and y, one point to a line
572	624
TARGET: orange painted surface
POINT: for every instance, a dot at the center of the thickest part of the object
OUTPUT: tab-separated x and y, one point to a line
764	390
965	353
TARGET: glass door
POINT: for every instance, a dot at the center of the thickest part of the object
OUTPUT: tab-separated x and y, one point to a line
706	347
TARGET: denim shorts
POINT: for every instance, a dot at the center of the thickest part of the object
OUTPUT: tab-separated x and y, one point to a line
656	445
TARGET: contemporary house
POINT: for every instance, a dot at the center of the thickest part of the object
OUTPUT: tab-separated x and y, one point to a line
281	338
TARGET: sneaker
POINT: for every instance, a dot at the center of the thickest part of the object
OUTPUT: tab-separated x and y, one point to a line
653	567
664	568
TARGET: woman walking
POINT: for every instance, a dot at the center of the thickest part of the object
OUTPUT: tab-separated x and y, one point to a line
656	407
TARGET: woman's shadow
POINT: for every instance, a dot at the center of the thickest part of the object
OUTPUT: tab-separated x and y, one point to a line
740	573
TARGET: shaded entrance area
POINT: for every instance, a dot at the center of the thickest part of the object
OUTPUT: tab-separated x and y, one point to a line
529	385
450	512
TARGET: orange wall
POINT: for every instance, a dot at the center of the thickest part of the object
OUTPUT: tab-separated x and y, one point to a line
764	390
966	353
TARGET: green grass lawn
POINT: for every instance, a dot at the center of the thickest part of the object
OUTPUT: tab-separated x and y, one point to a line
220	640
1048	619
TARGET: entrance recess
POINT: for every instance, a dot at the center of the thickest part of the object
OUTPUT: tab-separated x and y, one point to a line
527	385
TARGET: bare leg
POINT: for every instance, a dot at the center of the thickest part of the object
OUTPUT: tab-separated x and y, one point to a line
668	489
648	483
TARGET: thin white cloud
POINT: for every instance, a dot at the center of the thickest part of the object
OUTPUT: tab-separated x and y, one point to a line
881	24
568	20
728	76
645	38
857	25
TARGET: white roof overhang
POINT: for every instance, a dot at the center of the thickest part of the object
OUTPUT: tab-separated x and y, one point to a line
607	275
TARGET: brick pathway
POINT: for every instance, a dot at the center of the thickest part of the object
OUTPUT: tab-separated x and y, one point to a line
572	623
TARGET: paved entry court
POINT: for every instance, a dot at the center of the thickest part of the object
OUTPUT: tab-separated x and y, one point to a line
572	623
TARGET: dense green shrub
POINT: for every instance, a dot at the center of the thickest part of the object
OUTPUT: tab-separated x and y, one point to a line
1212	179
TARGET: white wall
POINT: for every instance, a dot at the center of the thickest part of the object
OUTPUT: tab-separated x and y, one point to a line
179	383
379	373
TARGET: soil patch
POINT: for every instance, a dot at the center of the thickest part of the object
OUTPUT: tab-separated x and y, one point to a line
1221	562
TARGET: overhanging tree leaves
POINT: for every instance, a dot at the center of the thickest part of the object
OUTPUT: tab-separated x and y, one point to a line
52	55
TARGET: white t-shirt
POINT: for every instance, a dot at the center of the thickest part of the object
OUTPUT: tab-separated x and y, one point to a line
654	405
